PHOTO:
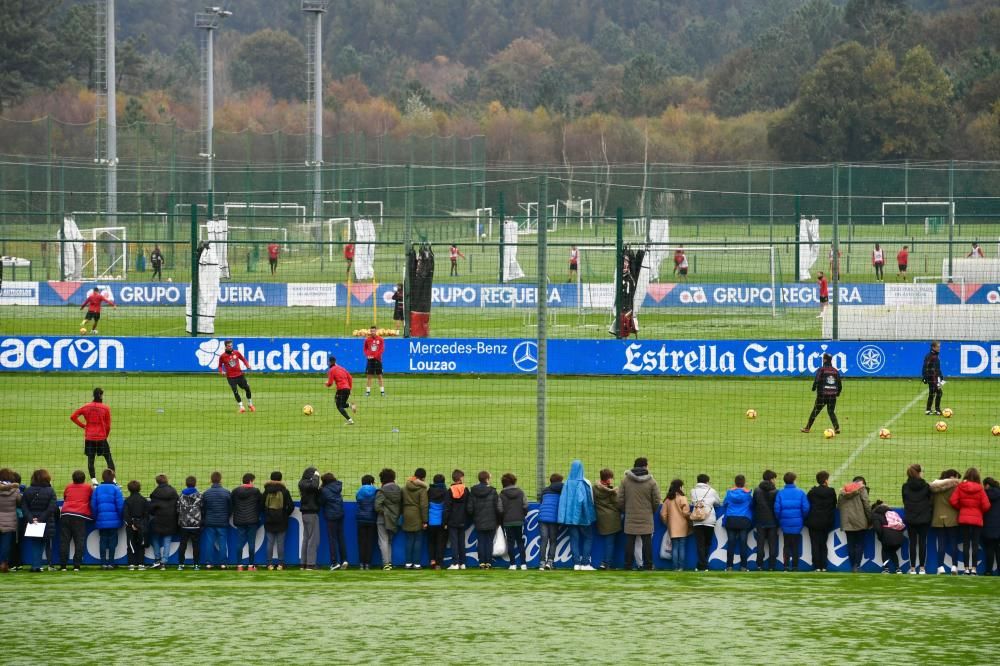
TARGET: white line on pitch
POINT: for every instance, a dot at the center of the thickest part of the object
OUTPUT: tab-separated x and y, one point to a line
872	436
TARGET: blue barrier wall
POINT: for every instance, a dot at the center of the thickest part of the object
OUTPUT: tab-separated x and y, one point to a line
836	546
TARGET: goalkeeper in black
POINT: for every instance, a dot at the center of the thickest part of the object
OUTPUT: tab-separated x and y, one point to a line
931	375
828	386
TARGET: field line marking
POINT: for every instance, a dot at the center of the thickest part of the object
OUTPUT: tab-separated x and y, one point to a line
872	436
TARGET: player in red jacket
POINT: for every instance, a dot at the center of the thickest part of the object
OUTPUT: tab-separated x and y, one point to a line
93	304
96	426
824	293
349	257
341	378
902	261
272	256
374	346
229	365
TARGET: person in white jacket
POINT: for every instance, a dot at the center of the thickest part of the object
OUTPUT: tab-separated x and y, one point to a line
704	499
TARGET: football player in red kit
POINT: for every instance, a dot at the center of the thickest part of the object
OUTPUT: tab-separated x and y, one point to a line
229	365
374	346
341	378
93	305
96	426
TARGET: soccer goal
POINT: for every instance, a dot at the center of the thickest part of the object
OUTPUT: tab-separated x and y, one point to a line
890	209
529	224
569	209
274	211
369	209
106	254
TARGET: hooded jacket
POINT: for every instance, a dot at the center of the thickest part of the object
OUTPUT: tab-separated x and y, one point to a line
991	520
365	498
437	495
576	503
333	499
39	502
791	507
190	509
484	507
738	504
944	514
822	508
310	498
247	505
456	505
276	519
609	518
917	501
971	501
855	509
415	504
388	505
163	509
763	504
217	503
548	512
638	499
108	506
702	492
513	506
10	495
889	538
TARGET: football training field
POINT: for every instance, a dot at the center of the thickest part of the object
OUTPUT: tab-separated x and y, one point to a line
501	616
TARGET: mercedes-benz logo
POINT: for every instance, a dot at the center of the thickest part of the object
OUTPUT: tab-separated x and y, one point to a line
870	359
525	356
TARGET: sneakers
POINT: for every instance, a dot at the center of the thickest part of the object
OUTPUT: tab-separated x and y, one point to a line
141	567
386	567
940	568
334	567
453	567
524	567
462	567
417	567
242	409
382	392
587	567
252	408
131	567
913	571
94	482
349	422
180	567
576	567
921	571
929	412
239	567
251	568
368	394
280	567
836	431
344	565
409	565
197	568
803	429
512	567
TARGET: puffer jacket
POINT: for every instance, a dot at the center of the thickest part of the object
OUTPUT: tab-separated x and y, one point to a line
945	515
917	501
484	507
310	497
738	504
437	495
456	506
822	508
39	502
217	503
971	501
889	538
163	509
10	496
415	505
609	518
855	509
790	508
247	505
639	500
108	506
548	512
389	505
763	504
333	499
991	521
514	506
365	499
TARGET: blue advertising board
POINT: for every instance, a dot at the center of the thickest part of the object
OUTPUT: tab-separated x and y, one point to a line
515	356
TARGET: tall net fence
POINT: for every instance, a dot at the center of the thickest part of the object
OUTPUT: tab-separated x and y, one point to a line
592	312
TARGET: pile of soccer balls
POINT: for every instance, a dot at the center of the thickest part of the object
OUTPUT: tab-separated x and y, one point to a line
382	332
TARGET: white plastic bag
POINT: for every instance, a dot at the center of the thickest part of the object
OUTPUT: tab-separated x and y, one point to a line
499	543
666	547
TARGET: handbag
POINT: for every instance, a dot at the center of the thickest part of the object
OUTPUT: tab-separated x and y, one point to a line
499	543
699	511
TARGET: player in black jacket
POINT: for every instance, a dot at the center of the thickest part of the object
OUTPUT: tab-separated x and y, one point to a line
828	387
931	375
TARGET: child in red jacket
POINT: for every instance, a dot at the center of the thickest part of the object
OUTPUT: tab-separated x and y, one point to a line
971	501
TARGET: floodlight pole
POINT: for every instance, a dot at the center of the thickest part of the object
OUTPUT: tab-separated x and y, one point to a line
316	8
112	130
209	21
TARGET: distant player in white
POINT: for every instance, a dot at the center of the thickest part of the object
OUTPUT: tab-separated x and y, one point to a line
976	252
878	261
574	263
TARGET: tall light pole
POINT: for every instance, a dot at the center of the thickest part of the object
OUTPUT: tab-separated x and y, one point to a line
106	107
314	157
209	21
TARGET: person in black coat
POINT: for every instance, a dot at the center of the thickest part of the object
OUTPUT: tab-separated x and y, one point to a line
163	516
247	505
485	509
819	521
931	375
278	508
918	510
991	528
39	504
136	516
455	512
767	523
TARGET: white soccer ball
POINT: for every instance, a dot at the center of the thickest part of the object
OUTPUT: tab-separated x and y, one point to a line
947	412
884	433
307	410
995	431
941	426
829	433
483	237
751	414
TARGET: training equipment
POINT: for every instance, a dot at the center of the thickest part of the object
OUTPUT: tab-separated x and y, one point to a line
947	413
884	433
751	414
829	433
83	330
307	410
941	426
809	249
996	431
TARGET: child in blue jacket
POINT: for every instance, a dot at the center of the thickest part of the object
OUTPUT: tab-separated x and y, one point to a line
107	504
437	534
790	508
365	498
738	506
548	521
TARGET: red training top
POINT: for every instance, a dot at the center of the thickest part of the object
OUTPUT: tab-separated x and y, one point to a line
93	302
374	346
230	363
824	290
349	252
76	499
272	251
903	257
342	378
97	420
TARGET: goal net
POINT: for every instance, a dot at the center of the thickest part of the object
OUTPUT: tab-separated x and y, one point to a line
106	255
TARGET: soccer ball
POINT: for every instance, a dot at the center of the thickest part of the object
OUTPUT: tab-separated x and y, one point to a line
483	237
947	413
751	414
307	410
884	433
829	433
83	331
996	431
170	279
941	426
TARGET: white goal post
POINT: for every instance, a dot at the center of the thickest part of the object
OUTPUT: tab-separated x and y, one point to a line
106	254
376	209
584	208
272	233
298	211
906	205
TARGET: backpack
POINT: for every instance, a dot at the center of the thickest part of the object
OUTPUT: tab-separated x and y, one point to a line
893	521
699	510
189	511
274	501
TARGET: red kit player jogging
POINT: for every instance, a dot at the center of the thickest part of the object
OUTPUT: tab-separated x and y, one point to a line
574	263
374	347
824	293
349	257
828	387
454	253
96	426
341	378
903	260
229	364
273	250
93	305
